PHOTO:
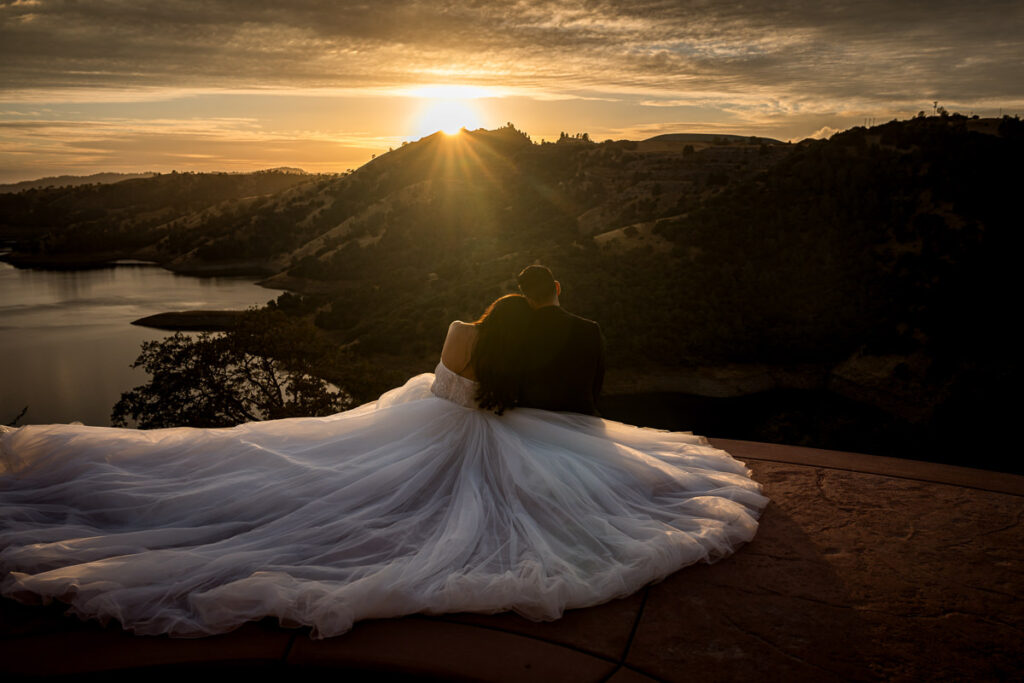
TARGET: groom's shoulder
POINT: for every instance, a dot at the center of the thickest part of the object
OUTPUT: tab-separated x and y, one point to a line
552	318
584	326
580	320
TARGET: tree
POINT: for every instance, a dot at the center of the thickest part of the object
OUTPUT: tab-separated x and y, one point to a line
17	419
262	369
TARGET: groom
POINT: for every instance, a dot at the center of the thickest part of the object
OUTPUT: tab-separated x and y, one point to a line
564	352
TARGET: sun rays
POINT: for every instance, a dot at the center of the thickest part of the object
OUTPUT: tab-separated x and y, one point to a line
459	159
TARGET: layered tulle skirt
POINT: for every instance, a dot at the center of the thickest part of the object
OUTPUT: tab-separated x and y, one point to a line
408	504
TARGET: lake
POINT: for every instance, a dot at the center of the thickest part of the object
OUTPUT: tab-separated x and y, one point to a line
67	343
66	338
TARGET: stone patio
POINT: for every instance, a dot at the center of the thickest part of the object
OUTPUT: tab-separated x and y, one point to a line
864	568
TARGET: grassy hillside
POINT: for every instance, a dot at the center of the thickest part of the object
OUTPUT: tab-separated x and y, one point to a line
875	266
119	219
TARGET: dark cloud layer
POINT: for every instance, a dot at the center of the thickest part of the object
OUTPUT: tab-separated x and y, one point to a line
200	84
799	52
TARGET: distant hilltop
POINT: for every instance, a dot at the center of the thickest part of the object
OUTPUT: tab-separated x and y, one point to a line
72	181
108	178
711	137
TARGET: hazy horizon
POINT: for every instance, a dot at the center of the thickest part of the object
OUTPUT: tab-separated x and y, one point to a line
231	86
138	172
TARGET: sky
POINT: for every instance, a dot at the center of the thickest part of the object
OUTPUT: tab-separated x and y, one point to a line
240	85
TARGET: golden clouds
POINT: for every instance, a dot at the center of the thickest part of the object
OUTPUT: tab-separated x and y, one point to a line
779	68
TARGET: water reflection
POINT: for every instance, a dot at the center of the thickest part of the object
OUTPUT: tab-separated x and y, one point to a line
66	341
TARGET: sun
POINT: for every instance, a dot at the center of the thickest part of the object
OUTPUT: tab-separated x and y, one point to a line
448	115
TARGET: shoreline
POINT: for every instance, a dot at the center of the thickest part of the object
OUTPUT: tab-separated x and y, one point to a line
260	272
803	404
191	321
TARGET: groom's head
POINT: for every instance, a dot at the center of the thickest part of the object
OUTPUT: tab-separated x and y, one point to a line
539	286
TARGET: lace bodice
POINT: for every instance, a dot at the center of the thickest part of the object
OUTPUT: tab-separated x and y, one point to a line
453	387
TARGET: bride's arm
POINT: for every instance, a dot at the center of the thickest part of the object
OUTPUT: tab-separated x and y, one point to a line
457	351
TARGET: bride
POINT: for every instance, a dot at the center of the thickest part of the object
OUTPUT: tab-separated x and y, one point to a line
438	497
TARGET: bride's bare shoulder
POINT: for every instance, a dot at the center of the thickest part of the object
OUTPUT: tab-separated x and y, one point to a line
458	347
461	328
461	335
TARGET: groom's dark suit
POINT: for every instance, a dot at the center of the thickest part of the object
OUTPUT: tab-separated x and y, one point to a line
565	362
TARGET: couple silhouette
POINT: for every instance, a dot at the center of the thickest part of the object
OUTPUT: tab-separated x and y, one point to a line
528	351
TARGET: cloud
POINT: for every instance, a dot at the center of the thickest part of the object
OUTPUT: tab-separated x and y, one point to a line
34	147
823	133
795	50
77	77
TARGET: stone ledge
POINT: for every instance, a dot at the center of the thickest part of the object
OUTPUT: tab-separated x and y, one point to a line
918	470
864	568
448	651
93	650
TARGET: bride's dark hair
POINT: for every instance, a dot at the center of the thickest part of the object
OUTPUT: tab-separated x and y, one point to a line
499	353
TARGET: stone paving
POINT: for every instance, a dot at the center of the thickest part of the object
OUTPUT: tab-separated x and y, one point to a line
864	568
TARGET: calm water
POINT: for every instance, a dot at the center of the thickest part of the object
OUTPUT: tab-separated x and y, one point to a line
66	341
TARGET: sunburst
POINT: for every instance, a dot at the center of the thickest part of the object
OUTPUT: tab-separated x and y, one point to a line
448	115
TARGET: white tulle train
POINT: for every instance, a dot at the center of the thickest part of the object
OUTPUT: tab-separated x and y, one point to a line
412	503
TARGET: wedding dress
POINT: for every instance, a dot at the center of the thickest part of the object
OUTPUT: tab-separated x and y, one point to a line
417	502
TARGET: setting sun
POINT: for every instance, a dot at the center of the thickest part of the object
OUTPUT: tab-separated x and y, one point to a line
448	115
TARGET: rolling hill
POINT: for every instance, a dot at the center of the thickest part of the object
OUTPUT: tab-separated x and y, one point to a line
875	266
71	181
